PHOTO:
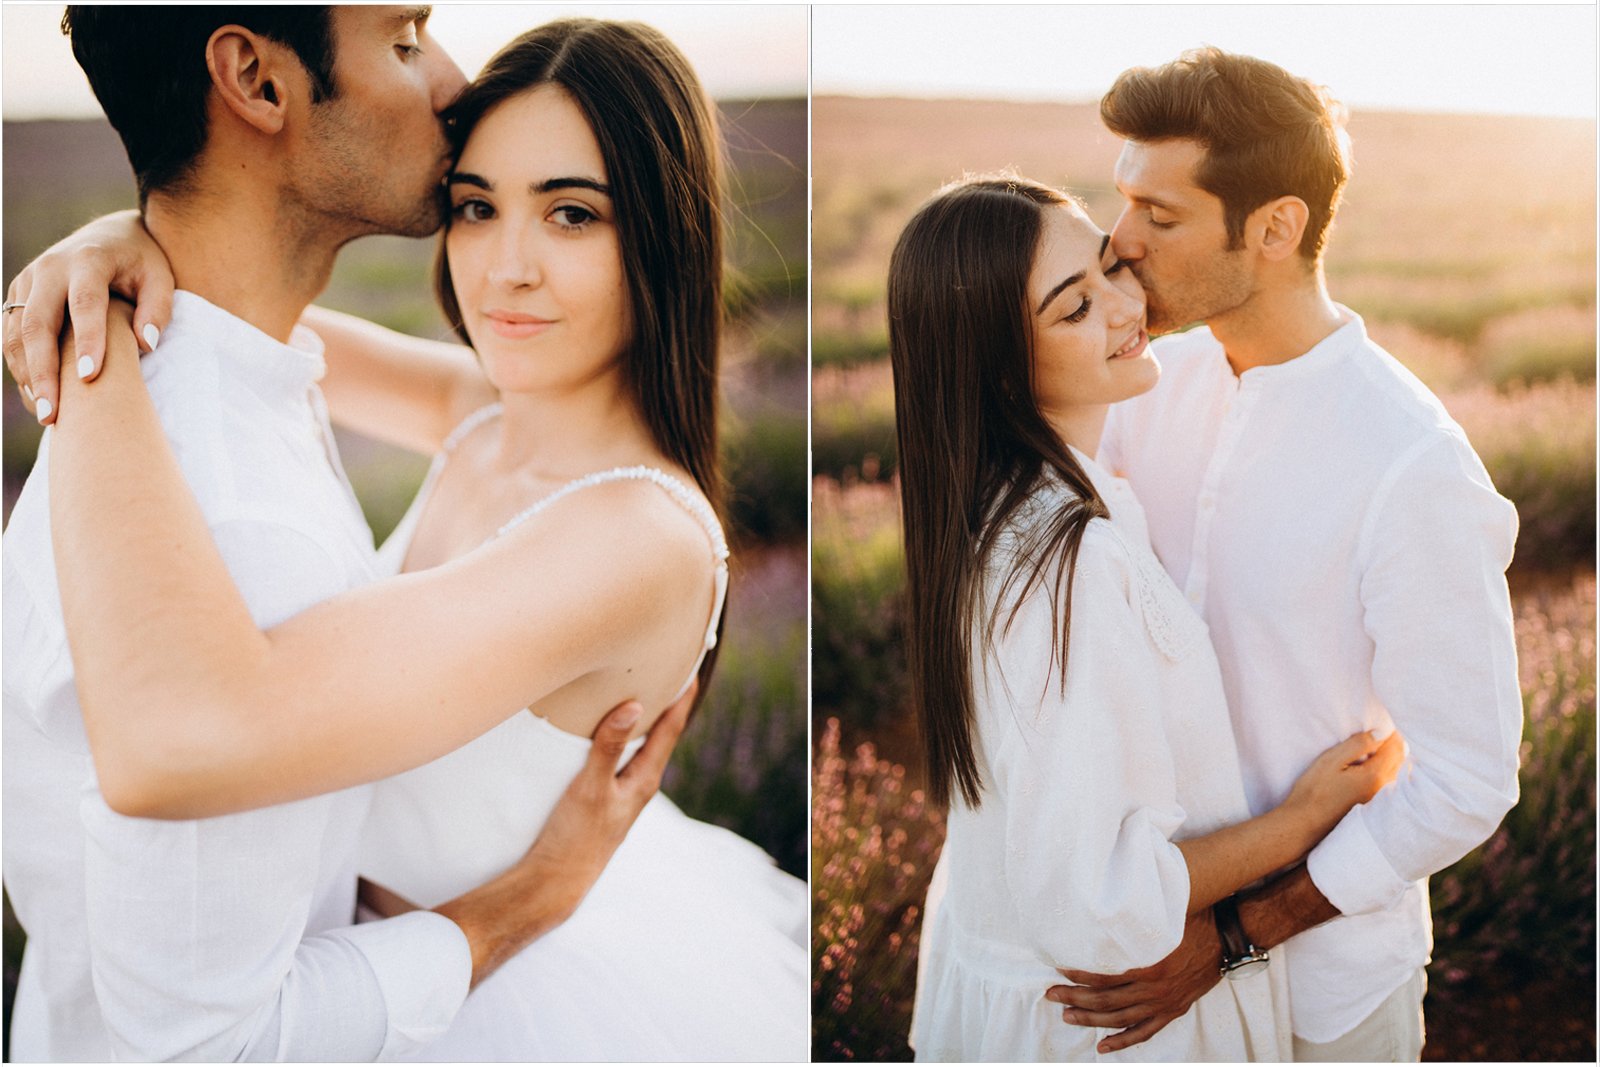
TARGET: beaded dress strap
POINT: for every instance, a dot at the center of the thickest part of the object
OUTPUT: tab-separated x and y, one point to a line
691	502
468	424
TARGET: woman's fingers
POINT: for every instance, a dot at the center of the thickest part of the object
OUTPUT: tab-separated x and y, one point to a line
152	289
40	329
1356	748
1389	756
11	336
88	305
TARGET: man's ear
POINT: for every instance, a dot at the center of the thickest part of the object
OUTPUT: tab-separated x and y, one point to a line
1280	224
247	73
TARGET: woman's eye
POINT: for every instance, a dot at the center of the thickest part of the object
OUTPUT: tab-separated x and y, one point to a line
472	211
573	217
1082	312
1120	264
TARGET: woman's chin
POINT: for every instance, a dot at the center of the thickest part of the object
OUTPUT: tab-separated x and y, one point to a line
1139	374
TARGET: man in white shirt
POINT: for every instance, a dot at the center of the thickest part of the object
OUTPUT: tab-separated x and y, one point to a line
271	137
1336	531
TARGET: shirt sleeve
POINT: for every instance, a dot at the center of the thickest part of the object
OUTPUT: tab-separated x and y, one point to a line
1086	774
198	930
1436	607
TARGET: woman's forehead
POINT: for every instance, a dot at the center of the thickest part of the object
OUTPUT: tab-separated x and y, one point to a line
536	131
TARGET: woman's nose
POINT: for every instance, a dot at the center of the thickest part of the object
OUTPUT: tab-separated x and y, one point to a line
514	264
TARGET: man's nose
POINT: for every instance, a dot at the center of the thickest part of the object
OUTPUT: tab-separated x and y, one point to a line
1125	241
448	81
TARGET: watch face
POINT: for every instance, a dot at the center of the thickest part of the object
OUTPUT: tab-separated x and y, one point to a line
1246	967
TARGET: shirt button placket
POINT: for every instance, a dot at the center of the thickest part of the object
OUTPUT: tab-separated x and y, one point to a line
1237	401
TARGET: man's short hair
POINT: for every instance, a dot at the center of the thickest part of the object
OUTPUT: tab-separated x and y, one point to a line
147	67
1266	132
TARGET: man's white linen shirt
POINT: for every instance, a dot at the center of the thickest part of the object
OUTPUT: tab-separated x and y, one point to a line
1346	546
224	938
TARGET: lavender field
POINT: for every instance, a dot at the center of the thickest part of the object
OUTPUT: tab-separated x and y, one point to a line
1468	245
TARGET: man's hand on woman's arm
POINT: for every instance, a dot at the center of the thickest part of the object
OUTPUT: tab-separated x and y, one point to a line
72	283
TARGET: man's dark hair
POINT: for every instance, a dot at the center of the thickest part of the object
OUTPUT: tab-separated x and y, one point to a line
147	66
1266	132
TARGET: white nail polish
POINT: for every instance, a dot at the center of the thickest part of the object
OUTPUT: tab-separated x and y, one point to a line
151	335
85	366
45	408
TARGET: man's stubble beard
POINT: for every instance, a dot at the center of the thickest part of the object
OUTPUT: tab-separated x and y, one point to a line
1216	293
351	193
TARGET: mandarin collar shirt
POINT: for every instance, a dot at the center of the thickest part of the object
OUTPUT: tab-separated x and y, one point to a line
1336	531
223	938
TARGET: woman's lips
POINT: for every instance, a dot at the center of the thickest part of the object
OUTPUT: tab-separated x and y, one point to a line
515	325
1132	346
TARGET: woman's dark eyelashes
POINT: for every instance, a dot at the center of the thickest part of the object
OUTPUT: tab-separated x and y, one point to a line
576	216
1082	312
472	210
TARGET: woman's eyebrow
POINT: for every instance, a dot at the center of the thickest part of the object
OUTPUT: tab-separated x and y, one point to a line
1069	282
551	185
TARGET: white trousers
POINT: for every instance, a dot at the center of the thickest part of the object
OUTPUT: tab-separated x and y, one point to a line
1391	1034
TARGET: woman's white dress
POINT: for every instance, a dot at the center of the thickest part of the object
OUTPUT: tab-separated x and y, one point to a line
691	946
1069	861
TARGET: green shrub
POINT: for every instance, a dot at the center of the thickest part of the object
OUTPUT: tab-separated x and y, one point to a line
830	349
742	762
1543	344
765	465
857	604
1525	900
1538	444
852	421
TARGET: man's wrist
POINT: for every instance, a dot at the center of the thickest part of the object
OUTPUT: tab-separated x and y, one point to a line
506	915
1286	905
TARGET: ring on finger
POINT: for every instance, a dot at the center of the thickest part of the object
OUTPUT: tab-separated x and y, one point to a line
12	305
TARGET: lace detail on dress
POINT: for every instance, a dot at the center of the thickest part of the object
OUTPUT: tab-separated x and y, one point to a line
1172	624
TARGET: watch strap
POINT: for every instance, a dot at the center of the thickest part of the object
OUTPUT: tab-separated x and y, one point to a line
1235	945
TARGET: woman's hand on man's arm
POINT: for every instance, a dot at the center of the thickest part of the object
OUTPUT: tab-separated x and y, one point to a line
72	283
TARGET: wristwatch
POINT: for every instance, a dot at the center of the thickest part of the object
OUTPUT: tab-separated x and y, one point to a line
1240	958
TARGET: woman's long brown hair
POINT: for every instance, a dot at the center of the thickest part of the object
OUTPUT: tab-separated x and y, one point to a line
973	446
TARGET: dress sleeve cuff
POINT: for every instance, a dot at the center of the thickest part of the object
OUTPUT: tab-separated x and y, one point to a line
1348	868
424	969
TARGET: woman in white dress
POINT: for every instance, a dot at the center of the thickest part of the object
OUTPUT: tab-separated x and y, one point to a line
564	555
1094	790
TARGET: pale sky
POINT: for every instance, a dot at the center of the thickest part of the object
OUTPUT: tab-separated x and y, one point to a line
738	51
1519	59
